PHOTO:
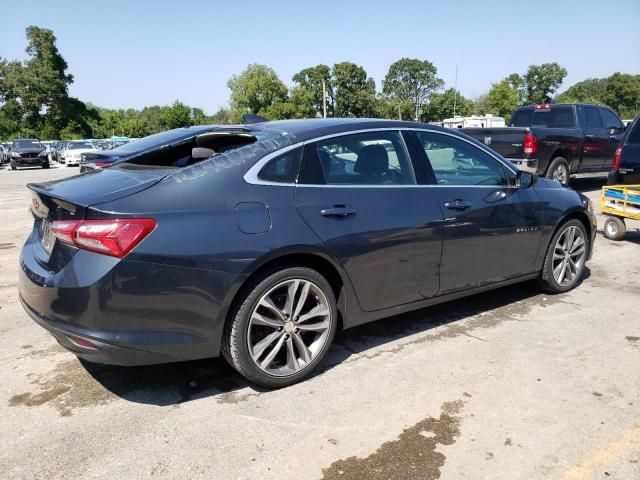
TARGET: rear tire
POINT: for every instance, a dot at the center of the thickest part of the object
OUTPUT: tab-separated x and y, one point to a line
558	170
45	165
614	228
263	335
565	259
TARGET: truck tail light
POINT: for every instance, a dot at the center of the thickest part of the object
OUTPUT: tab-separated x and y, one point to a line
530	144
113	237
616	158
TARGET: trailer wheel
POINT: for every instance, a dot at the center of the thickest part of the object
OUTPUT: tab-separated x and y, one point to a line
614	228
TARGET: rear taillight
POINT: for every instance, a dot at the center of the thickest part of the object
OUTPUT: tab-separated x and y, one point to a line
616	158
102	164
530	144
115	237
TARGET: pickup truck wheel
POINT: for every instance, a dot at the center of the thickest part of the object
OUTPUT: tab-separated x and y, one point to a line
614	228
559	170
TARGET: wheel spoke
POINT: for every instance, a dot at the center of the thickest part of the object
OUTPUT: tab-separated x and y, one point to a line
268	303
569	238
317	311
291	295
257	319
268	360
259	348
305	353
292	358
577	243
302	300
314	327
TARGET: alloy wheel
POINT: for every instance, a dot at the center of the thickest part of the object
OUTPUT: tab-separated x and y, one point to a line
568	256
560	173
289	327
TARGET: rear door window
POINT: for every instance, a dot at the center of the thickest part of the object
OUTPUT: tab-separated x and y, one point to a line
634	134
282	169
371	158
592	118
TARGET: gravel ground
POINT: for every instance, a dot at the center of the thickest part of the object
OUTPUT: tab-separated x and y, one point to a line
510	384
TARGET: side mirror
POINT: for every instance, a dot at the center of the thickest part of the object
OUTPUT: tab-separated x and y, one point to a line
616	130
525	179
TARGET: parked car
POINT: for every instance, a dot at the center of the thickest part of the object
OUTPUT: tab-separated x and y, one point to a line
28	152
558	140
170	139
298	228
626	160
74	150
4	157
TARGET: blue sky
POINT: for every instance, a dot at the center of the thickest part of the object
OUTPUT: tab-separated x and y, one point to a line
132	54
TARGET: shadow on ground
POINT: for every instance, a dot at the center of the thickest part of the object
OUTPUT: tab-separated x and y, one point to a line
181	382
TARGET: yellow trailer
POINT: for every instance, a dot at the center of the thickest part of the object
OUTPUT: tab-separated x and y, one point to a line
619	202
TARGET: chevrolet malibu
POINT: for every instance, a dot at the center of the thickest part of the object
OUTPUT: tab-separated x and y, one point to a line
259	242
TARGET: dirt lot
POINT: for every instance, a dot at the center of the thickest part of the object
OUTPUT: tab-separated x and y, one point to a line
511	384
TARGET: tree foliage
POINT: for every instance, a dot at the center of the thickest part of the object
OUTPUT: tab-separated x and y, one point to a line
256	89
541	82
503	98
307	95
354	91
411	80
442	106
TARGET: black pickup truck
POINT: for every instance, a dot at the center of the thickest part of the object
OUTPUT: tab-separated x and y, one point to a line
556	140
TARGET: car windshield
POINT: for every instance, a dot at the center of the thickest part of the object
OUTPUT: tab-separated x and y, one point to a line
27	144
79	145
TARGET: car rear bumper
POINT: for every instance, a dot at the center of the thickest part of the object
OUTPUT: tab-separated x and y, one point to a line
134	313
526	164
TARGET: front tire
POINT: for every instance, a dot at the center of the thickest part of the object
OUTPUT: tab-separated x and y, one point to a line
614	228
281	327
558	170
566	257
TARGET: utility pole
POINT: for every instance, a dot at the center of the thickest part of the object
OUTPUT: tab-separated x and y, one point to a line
324	99
455	92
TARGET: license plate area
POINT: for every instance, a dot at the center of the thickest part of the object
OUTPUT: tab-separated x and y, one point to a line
47	240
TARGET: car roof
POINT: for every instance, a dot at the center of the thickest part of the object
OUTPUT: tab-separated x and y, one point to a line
308	129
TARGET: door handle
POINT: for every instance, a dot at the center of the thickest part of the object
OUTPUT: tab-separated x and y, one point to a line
337	211
589	135
457	205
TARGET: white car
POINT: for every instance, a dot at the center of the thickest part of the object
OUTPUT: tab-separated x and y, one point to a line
73	151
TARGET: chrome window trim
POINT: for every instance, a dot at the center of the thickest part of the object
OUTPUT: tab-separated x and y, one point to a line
251	176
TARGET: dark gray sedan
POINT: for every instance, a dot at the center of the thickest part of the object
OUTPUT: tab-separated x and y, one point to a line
259	242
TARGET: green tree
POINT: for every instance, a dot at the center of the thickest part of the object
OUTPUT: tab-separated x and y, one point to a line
308	92
622	93
355	93
411	80
542	81
175	116
591	90
502	99
442	106
255	89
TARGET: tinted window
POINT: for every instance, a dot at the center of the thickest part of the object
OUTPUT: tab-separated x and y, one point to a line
609	119
522	118
282	169
456	162
372	158
592	118
79	145
634	133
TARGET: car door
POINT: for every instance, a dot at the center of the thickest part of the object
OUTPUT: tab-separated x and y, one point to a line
596	139
615	133
358	193
492	230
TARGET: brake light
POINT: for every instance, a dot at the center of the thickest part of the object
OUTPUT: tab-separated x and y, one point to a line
616	158
113	237
101	164
543	106
530	144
